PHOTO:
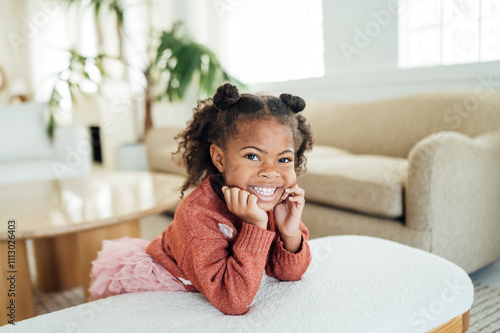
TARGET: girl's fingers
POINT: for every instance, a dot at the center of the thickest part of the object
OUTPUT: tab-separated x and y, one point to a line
299	200
227	194
252	200
237	198
231	194
243	198
295	190
234	195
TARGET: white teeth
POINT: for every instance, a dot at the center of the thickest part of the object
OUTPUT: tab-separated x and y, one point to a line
265	191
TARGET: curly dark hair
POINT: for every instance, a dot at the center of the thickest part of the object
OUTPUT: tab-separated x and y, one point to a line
215	121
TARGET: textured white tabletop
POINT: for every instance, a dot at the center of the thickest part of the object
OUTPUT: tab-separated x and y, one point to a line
354	284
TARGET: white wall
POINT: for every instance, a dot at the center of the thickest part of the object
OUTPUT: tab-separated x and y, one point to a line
368	28
371	71
368	43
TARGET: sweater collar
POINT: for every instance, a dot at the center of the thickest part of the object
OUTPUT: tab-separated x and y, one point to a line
217	182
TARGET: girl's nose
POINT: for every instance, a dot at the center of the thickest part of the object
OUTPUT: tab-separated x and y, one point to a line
268	171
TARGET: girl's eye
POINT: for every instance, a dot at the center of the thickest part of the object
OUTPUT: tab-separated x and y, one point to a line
284	160
252	157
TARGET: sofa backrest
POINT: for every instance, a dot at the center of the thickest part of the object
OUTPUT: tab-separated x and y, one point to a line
392	127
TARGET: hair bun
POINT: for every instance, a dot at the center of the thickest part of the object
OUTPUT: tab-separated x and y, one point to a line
226	95
295	103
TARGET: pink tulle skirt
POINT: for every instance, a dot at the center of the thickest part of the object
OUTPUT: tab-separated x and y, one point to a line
123	266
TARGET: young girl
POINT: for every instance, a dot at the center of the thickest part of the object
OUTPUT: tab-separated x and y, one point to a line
242	153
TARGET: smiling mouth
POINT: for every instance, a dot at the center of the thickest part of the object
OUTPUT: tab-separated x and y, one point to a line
265	191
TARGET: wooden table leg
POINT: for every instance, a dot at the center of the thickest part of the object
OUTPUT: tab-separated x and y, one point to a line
57	262
22	298
90	242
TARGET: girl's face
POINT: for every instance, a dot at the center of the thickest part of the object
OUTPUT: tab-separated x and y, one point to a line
260	160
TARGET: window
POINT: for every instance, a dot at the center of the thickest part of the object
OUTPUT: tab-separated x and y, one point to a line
445	32
54	39
268	41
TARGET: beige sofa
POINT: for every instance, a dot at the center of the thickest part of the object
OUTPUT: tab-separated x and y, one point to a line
422	170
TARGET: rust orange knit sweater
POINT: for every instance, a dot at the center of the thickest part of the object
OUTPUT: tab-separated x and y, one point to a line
214	252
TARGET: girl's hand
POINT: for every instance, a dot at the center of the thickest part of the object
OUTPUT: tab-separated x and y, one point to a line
244	205
288	213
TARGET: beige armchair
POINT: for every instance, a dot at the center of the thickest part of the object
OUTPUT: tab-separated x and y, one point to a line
422	170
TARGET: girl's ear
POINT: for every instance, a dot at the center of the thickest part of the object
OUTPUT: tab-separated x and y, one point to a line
217	155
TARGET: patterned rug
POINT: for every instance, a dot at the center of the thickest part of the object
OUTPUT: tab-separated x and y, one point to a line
484	315
50	301
485	312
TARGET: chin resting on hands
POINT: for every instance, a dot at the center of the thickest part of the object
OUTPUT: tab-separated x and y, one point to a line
244	205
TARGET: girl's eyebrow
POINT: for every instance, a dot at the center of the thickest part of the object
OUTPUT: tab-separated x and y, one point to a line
286	151
253	147
265	152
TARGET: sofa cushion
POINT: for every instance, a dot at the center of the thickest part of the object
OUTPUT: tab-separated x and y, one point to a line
368	184
23	132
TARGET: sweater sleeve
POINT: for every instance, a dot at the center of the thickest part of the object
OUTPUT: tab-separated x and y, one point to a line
229	278
287	266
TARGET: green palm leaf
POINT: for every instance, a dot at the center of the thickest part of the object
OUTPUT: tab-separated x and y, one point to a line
77	71
183	60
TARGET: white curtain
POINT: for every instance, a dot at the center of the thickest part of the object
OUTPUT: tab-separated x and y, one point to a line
14	44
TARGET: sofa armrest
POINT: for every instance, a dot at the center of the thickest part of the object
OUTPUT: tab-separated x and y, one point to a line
73	150
160	143
452	190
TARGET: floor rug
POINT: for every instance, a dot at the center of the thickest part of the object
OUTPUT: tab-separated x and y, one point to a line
485	312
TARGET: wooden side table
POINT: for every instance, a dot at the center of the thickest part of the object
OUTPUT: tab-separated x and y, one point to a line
67	220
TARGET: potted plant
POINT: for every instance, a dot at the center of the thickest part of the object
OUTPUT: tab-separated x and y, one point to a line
173	63
80	69
176	62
